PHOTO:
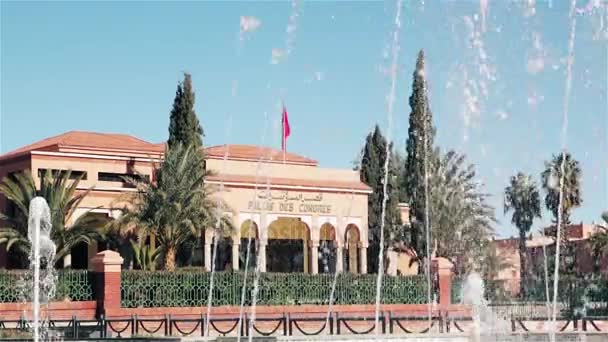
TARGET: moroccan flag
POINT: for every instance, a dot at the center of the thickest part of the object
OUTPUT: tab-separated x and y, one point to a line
286	129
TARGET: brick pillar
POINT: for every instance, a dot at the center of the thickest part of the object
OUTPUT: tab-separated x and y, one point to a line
442	267
106	266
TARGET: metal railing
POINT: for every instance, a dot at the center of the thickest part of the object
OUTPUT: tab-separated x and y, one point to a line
277	325
191	289
73	285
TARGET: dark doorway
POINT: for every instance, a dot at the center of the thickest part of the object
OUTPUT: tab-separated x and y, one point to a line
80	256
285	256
243	254
223	261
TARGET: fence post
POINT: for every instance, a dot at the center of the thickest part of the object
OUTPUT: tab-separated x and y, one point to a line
443	268
106	269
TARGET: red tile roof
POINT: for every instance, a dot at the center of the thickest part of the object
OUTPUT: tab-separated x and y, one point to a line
263	181
254	153
124	142
88	140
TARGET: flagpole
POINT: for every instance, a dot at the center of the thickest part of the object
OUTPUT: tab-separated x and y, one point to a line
283	144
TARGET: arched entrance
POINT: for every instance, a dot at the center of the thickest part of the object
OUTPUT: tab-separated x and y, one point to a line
327	249
288	246
249	235
352	239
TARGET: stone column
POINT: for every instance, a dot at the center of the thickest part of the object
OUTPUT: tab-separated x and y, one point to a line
106	268
208	256
392	261
339	259
443	268
262	256
314	252
67	260
235	256
263	241
363	259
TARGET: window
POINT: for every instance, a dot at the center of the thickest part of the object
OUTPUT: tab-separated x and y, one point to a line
56	172
119	177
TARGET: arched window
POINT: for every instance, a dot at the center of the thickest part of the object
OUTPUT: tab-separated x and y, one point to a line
249	236
327	249
352	240
288	246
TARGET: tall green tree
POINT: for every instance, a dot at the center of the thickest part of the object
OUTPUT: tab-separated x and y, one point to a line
419	148
184	127
461	219
552	178
60	190
371	171
523	199
562	174
177	207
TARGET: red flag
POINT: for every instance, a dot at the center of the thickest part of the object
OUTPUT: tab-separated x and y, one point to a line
286	129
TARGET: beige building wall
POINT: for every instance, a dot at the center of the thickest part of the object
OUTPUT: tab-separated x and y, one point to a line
262	203
280	170
507	251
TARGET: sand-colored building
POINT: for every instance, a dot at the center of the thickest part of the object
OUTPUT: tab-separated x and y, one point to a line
578	236
285	202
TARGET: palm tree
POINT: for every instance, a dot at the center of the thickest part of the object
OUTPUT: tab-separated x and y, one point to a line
177	207
63	197
522	197
561	182
460	217
145	255
552	178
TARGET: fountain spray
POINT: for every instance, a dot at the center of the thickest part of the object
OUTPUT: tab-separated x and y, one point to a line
563	161
390	105
42	255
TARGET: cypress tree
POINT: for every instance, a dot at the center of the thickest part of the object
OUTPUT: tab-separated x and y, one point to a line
186	130
184	127
419	147
371	172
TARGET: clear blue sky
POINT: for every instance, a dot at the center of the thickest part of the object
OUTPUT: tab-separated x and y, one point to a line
113	67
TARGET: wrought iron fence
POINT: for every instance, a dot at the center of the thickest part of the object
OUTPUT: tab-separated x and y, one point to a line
74	285
179	289
495	290
175	328
577	296
580	295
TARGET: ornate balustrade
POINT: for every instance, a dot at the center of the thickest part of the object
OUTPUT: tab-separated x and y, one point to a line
73	285
191	289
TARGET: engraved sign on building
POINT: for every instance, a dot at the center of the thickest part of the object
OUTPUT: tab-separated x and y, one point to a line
284	202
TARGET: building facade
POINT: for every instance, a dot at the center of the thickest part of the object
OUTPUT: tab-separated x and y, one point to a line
577	238
298	216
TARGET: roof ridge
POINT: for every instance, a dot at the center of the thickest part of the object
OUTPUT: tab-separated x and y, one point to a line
274	155
88	140
27	147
